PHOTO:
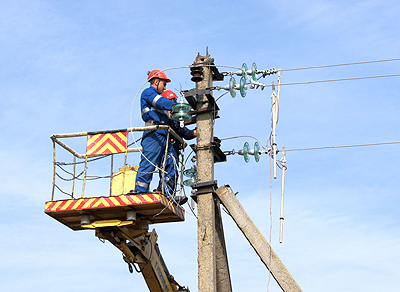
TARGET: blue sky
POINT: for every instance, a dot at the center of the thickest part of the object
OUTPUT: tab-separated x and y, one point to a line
72	66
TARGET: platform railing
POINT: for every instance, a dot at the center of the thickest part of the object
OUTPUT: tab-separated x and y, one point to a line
56	140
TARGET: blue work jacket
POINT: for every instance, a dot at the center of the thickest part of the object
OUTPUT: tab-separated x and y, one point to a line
155	107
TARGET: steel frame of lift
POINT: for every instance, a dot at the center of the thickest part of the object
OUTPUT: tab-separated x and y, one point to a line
122	219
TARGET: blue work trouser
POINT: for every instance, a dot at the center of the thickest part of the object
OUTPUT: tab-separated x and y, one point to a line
153	144
171	169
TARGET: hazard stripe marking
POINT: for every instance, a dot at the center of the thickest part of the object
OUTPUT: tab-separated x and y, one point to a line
114	201
66	205
120	201
56	205
107	143
136	200
105	202
88	203
76	205
124	200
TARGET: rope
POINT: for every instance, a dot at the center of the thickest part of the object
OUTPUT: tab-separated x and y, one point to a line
67	172
65	193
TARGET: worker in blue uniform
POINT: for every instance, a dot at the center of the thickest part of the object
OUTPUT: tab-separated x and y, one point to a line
155	110
174	147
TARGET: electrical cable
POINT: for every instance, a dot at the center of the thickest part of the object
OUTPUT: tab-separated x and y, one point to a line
151	254
221	96
339	79
188	156
159	213
343	64
328	147
344	146
244	136
192	210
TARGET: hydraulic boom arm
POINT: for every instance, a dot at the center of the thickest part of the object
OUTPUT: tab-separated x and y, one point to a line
140	251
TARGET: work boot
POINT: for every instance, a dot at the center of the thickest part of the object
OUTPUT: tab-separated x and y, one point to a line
157	191
133	192
178	199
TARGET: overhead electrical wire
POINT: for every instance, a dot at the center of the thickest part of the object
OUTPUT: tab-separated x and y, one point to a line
318	148
244	136
338	79
343	146
292	83
342	64
338	65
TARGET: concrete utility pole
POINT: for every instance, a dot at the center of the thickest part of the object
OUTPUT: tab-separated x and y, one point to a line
207	268
257	241
213	270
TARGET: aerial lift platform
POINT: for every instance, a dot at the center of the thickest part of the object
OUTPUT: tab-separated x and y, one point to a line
122	210
122	218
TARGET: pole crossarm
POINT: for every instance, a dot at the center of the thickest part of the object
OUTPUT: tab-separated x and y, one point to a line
257	240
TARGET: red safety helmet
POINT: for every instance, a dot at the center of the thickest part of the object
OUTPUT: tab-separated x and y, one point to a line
169	94
157	74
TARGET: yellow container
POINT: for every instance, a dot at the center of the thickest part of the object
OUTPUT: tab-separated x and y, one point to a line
124	180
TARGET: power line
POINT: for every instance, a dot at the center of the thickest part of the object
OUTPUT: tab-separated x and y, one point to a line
342	64
318	148
244	136
339	79
343	146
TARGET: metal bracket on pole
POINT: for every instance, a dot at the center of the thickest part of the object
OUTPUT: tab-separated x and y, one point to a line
204	188
219	155
216	75
190	97
215	146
